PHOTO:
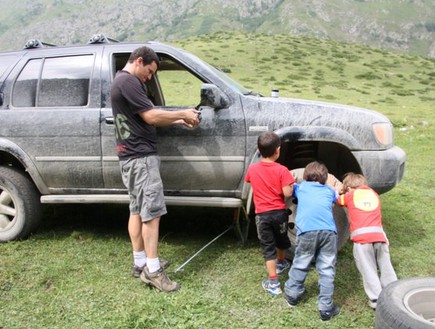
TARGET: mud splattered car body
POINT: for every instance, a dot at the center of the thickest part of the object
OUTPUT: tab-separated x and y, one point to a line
57	132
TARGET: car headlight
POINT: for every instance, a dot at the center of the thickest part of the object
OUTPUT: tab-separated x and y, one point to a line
383	132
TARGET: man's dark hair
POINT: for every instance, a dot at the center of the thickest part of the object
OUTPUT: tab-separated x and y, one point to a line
267	143
316	172
148	55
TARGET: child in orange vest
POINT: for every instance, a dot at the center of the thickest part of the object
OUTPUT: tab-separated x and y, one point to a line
370	248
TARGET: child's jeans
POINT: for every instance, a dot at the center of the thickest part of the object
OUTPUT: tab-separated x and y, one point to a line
320	246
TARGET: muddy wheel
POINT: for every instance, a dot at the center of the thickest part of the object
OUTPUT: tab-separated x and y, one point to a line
20	209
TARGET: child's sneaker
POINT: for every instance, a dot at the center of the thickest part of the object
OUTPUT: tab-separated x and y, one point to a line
373	303
291	301
273	287
282	266
327	315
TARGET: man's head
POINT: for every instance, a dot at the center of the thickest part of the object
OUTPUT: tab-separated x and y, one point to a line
143	63
316	172
268	142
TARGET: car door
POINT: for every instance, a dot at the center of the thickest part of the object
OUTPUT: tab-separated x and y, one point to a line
206	160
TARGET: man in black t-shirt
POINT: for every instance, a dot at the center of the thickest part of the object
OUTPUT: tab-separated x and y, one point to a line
136	139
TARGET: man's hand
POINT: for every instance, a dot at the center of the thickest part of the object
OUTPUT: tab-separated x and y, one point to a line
192	118
161	118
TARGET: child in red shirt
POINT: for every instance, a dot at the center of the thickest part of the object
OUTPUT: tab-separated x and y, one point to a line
271	183
370	248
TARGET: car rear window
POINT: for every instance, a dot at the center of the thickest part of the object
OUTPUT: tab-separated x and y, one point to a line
54	82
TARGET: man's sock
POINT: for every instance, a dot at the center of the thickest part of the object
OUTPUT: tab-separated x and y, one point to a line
140	259
153	264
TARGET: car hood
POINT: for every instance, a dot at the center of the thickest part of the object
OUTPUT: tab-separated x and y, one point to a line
316	120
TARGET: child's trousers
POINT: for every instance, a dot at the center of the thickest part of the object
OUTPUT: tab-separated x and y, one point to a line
369	257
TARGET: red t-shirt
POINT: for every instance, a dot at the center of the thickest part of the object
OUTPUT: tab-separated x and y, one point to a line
267	180
364	210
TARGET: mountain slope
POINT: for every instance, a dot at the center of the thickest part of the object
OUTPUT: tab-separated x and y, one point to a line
404	25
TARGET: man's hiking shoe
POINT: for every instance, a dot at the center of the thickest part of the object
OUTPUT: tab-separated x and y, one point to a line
291	301
326	315
136	270
282	266
272	287
159	280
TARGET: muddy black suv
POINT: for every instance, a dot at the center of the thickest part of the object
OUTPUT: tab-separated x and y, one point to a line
57	141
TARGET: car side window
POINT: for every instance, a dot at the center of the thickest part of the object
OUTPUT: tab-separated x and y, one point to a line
54	82
173	85
179	86
24	92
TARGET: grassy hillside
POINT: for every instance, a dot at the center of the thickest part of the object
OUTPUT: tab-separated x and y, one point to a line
74	272
398	85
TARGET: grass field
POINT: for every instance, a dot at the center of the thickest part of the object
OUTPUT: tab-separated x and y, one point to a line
74	272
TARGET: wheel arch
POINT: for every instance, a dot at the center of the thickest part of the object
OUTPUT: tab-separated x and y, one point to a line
11	155
301	145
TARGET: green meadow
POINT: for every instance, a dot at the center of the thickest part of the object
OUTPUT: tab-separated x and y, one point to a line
74	271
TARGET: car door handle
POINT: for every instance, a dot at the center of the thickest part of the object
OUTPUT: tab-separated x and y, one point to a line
109	120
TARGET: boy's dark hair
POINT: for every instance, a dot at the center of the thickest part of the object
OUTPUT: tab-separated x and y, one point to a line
267	143
316	172
148	55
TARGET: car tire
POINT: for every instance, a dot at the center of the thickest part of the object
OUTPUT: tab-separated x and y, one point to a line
407	304
20	209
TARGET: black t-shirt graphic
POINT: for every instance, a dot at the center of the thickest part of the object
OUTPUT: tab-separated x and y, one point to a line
134	137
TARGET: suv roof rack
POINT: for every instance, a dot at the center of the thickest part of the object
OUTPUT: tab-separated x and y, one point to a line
35	43
100	38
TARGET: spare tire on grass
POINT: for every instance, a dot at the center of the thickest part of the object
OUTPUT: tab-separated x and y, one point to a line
407	304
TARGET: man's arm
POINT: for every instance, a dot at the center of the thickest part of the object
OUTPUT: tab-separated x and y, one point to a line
157	117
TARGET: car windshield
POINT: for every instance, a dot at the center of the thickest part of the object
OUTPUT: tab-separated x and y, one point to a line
229	81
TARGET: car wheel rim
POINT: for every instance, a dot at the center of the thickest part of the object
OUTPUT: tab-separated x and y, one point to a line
421	303
7	210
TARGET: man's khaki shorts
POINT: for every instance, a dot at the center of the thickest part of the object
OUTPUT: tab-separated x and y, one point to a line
142	178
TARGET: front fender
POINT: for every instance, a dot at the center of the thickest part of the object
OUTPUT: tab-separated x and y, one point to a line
14	150
318	134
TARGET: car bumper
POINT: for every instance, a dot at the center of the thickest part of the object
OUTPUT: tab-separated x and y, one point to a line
383	169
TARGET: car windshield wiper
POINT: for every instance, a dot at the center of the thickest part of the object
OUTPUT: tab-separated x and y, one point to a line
251	93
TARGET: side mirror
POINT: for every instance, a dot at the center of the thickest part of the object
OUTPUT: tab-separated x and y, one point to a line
213	97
